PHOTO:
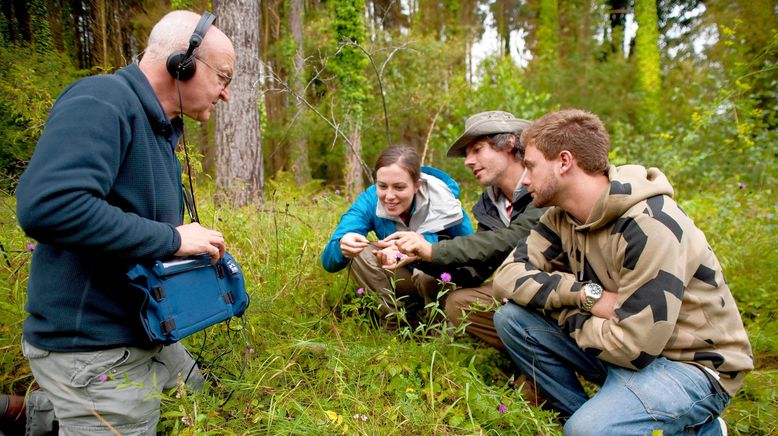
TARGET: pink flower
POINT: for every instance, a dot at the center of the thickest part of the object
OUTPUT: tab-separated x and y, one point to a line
31	246
315	199
361	291
337	192
446	277
741	185
502	409
103	377
399	256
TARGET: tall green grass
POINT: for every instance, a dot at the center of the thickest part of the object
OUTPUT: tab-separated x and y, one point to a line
311	359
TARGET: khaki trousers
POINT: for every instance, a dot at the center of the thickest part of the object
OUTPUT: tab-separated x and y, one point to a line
412	283
476	306
112	390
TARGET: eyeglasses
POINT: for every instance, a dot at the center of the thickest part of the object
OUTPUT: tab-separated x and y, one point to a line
226	79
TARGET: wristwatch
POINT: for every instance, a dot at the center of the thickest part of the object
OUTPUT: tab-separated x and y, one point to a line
592	293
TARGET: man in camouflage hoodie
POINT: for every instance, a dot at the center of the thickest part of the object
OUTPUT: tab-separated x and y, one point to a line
618	285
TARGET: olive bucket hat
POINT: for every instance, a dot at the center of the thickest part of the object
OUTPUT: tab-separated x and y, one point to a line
486	123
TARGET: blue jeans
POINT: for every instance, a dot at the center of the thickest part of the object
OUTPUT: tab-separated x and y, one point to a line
666	395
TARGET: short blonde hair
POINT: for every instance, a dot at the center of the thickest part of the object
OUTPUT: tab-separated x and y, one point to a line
580	132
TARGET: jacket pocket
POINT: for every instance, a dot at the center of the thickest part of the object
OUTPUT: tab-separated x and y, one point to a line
32	352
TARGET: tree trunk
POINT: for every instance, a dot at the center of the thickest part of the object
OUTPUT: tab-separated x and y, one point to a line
39	22
276	105
22	17
547	49
239	174
101	33
302	171
353	177
647	59
349	67
618	19
56	25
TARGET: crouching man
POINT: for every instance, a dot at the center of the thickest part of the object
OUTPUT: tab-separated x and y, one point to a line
616	284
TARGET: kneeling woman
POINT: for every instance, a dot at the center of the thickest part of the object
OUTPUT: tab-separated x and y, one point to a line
406	196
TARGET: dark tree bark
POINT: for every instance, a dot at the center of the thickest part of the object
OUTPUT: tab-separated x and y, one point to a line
300	167
276	105
239	174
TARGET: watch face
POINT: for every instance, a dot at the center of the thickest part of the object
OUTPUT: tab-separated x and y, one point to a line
593	290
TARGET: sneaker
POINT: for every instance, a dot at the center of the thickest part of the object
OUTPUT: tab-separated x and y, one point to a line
723	426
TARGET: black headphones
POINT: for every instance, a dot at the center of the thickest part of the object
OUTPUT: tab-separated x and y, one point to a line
181	65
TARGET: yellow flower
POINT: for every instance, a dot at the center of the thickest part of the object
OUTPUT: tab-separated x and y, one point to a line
409	390
334	417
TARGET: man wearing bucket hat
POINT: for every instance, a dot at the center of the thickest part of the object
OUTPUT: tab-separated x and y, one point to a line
492	151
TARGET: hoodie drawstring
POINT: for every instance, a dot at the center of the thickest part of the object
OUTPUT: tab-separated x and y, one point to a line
579	271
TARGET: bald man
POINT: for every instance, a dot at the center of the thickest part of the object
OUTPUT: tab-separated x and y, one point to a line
103	192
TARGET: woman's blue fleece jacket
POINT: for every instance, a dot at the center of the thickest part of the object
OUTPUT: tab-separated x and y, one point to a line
361	218
102	191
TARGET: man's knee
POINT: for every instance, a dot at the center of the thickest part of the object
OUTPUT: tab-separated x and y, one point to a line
505	318
457	306
582	425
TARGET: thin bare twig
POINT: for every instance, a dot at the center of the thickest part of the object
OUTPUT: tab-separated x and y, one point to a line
380	86
285	86
429	132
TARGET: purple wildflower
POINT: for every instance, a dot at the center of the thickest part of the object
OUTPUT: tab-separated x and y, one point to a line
398	256
323	195
337	192
741	185
31	246
315	199
446	277
502	409
361	291
103	377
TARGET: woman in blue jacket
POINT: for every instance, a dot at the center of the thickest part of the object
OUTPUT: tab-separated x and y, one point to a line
406	196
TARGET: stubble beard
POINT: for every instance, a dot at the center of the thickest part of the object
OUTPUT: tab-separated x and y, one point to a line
544	196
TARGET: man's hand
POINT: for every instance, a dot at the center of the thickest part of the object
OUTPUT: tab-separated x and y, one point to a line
196	239
390	258
351	244
605	307
411	244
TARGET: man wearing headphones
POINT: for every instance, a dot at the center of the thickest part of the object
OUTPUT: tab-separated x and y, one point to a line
103	191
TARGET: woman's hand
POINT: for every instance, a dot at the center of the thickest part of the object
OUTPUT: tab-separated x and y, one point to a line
351	244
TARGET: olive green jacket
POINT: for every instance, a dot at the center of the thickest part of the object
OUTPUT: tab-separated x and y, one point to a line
472	259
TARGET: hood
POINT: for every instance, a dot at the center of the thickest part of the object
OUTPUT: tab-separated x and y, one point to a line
435	206
629	185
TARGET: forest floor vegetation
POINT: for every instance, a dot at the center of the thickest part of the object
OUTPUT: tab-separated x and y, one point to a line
312	359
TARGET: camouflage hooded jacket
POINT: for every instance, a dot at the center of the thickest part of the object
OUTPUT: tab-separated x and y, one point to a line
672	299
